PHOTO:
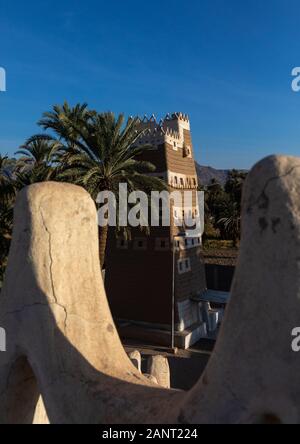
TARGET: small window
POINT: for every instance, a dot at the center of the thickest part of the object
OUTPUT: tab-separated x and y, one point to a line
195	182
175	178
184	266
122	244
188	265
162	244
186	242
181	181
140	244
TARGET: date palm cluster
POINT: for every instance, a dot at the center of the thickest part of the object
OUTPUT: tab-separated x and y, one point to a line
78	145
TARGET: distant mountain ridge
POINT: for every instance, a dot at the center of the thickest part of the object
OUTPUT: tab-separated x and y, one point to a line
206	174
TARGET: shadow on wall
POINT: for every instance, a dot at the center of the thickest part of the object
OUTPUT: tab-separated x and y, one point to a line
61	339
185	371
73	390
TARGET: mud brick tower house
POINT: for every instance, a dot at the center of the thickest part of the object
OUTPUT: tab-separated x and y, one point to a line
154	282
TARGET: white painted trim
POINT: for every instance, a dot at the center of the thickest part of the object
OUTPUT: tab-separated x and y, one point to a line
171	180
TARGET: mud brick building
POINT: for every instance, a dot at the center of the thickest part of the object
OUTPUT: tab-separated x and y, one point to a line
155	281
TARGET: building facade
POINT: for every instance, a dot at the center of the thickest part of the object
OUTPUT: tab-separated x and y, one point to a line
156	280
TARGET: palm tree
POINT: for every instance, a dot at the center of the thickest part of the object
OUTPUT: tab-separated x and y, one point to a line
7	194
5	178
6	222
215	197
37	164
231	221
234	185
100	152
39	154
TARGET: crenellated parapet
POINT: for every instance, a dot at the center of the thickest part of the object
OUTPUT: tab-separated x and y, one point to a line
171	129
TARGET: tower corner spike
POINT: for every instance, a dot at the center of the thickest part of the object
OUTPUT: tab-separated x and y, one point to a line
153	118
180	116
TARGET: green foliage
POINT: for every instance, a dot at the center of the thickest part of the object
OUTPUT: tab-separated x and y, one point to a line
91	149
223	208
210	231
234	185
7	194
98	152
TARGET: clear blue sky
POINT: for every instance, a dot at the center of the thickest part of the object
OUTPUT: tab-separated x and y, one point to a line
225	62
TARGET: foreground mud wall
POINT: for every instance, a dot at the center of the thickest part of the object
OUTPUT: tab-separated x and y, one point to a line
62	343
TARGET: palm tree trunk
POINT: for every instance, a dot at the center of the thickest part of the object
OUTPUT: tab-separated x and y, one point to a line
102	243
